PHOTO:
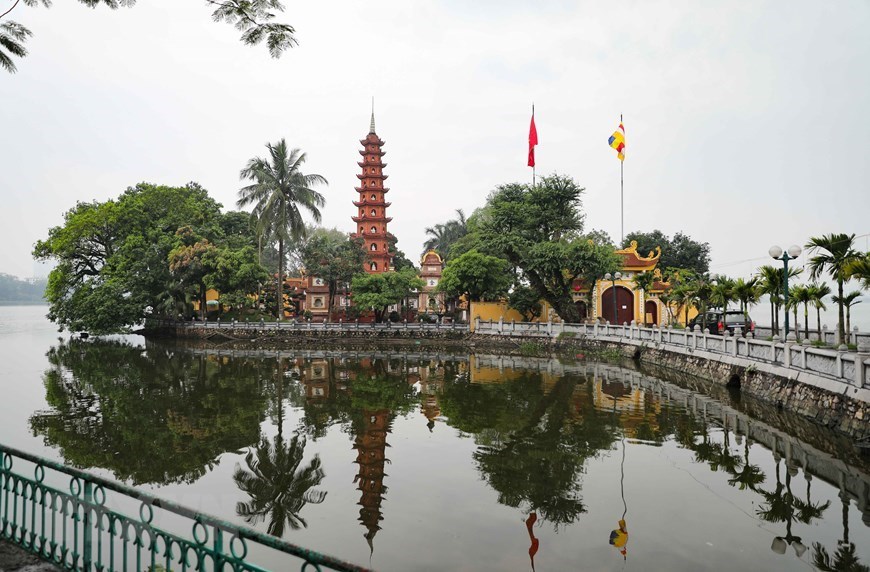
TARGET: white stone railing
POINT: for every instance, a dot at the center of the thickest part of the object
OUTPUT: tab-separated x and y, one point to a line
851	368
293	325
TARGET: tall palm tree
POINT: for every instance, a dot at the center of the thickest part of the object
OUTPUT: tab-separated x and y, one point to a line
443	235
771	284
833	254
723	292
849	300
746	292
798	295
278	192
844	560
818	293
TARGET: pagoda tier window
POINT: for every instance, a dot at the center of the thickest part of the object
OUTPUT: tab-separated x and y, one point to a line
374	246
374	266
362	230
374	212
374	229
374	197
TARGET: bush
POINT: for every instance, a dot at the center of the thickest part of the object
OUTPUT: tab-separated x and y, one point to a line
394	316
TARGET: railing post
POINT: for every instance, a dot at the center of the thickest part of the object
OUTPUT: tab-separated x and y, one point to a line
860	358
500	324
476	323
840	353
87	525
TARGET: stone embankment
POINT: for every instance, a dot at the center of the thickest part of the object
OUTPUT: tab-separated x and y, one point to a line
830	387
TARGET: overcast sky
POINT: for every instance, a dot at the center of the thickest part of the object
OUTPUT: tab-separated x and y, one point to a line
747	123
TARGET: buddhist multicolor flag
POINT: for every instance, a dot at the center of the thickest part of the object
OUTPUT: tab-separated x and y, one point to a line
617	141
533	140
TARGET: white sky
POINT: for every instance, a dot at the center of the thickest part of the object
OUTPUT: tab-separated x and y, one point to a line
747	122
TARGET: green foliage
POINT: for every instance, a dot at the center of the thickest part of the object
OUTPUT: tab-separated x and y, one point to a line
526	301
834	254
859	269
443	236
253	18
480	276
151	417
334	257
537	229
279	190
113	258
16	291
681	251
380	291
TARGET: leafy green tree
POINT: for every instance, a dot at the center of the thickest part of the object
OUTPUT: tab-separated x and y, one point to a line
833	254
723	292
380	291
681	251
480	276
537	229
253	18
772	285
526	301
278	192
334	257
818	293
399	260
193	264
112	258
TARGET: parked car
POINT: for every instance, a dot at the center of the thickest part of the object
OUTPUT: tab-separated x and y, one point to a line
716	325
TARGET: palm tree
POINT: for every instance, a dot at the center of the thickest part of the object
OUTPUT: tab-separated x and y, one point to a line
833	255
801	295
860	270
818	292
746	292
12	35
277	487
849	300
844	559
723	292
279	189
771	284
443	235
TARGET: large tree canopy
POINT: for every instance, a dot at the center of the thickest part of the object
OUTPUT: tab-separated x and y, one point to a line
480	276
334	257
113	258
380	291
681	251
538	230
253	18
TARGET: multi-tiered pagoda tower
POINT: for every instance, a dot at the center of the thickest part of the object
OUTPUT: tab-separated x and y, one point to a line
372	219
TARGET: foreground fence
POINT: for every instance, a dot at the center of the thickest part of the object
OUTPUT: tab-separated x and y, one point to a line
851	368
81	522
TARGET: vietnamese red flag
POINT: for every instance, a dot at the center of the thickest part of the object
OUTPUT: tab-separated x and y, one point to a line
533	140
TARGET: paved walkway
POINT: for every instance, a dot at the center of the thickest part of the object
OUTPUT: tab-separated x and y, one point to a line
14	559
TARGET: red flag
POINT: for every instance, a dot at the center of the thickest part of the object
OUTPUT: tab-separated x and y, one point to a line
533	140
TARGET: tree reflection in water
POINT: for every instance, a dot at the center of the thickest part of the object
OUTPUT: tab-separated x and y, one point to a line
150	416
277	487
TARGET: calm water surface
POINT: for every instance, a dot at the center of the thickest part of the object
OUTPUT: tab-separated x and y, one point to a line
452	461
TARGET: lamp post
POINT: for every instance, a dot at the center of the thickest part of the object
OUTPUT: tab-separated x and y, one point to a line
613	280
777	254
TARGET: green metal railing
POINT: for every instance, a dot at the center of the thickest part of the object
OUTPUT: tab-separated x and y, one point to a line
76	530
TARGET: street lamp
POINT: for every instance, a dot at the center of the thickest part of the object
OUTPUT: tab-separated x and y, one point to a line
613	279
777	254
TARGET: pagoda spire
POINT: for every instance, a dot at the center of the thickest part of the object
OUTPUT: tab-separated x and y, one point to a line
372	127
371	219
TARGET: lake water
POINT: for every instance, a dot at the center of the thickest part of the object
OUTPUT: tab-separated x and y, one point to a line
446	461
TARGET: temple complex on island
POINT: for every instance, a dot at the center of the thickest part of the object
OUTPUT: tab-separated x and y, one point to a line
371	222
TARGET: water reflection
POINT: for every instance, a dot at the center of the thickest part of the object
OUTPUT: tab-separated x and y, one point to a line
165	414
150	417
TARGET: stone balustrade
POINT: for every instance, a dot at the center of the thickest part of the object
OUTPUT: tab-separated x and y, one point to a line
789	359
